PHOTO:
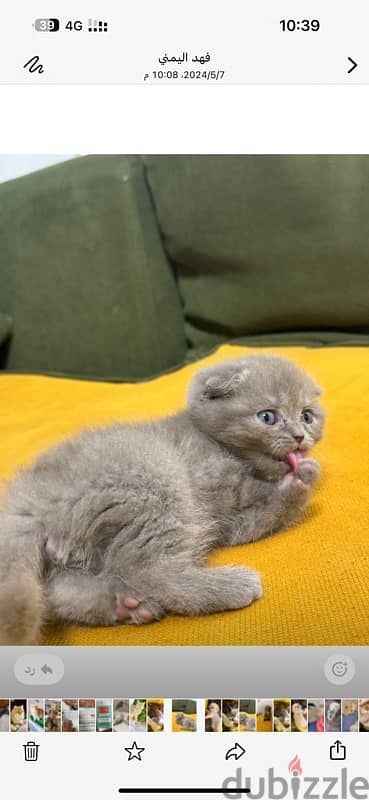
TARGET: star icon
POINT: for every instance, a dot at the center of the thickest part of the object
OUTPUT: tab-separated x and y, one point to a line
134	752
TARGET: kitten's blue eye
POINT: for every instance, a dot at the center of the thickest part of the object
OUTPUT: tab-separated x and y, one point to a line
269	417
307	416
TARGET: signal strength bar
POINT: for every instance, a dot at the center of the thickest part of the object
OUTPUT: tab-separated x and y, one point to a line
97	26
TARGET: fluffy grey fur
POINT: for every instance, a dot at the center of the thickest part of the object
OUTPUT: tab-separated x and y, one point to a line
187	723
114	525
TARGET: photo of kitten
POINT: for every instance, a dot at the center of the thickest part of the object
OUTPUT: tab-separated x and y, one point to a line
282	715
184	716
155	715
121	715
137	715
114	526
53	714
364	715
247	715
213	719
18	716
36	715
264	715
333	715
4	715
299	721
316	719
184	722
350	715
230	711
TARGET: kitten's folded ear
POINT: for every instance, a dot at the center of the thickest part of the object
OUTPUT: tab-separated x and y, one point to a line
218	382
221	386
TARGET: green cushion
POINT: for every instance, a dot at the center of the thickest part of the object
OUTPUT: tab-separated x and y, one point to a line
266	244
5	327
84	273
185	706
284	339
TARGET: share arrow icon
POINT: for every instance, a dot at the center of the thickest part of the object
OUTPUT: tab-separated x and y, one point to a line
235	752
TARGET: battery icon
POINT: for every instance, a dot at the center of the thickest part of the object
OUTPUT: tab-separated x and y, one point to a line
49	24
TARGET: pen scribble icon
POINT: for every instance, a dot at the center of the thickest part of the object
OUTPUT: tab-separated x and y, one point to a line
295	770
34	65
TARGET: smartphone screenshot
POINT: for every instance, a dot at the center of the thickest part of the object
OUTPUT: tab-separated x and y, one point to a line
184	427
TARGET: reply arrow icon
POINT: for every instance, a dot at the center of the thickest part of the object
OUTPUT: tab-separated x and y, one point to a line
235	752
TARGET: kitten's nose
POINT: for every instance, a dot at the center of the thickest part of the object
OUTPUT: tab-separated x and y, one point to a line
299	439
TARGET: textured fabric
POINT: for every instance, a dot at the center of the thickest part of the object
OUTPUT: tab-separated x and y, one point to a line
315	575
84	273
266	243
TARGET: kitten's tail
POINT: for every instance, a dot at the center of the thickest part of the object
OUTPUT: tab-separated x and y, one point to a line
21	589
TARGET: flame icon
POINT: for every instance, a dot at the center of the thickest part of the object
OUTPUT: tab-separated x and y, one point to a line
295	765
295	770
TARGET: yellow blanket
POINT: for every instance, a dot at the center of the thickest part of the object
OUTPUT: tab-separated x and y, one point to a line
315	576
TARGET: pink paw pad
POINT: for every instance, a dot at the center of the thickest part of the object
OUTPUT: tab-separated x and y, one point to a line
121	612
131	602
146	615
130	609
290	480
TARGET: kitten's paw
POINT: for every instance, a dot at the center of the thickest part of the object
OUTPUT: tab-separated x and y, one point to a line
293	485
244	587
131	611
308	471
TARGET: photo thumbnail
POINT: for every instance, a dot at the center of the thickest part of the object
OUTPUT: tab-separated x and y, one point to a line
184	716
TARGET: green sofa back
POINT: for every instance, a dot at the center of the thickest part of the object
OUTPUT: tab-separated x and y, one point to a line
124	267
274	248
84	274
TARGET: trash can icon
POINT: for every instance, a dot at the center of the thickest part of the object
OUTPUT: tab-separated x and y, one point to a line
31	751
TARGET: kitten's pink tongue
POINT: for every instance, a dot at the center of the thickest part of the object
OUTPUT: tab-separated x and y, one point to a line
293	458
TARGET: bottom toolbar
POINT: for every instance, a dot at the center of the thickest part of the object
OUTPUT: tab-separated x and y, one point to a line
247	757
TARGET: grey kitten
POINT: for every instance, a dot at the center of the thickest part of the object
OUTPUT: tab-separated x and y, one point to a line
184	722
114	525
